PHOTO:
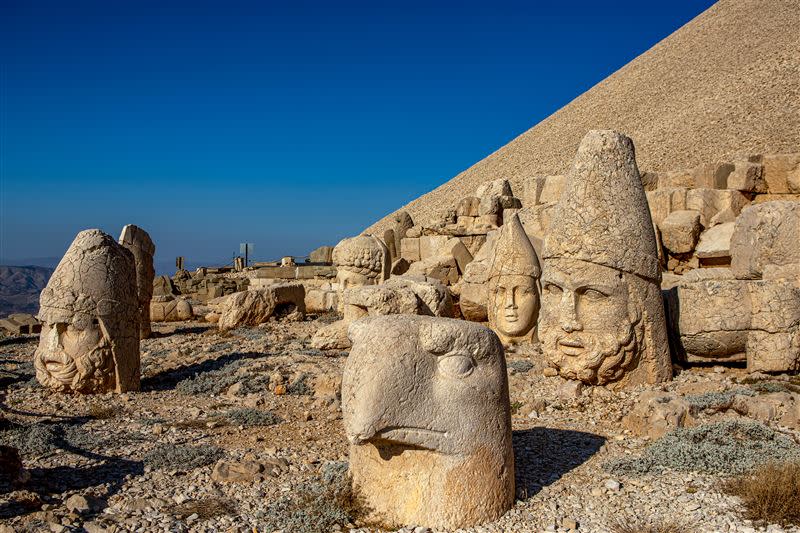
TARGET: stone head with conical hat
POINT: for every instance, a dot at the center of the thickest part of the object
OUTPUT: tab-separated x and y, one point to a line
602	317
89	310
513	304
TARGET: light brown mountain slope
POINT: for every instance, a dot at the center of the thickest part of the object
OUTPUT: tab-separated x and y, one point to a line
726	83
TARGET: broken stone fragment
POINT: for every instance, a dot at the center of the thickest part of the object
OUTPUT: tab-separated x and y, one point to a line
253	307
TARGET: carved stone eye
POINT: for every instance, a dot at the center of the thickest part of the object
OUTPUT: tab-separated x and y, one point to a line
456	366
593	294
553	289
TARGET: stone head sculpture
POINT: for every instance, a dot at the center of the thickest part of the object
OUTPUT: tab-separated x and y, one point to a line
602	317
513	303
426	410
361	260
90	319
141	246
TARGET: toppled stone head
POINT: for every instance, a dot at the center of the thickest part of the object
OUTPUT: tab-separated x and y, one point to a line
90	314
140	244
513	303
426	410
602	317
361	260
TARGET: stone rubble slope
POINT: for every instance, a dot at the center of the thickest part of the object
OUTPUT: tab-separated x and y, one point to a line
723	83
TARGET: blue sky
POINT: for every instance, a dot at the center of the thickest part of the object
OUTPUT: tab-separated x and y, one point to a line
286	124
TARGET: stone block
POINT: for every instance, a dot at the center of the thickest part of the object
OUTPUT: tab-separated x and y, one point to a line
710	202
676	179
679	231
732	320
474	297
277	272
764	198
409	249
250	308
664	201
323	254
782	173
765	234
430	245
712	175
468	206
715	242
456	248
440	267
747	177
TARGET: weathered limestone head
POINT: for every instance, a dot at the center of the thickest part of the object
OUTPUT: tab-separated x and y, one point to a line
362	260
426	410
513	304
602	317
90	314
141	245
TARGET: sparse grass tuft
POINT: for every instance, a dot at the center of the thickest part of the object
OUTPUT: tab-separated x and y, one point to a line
300	386
252	417
519	367
726	448
641	525
101	412
206	509
716	401
771	493
165	456
515	407
316	506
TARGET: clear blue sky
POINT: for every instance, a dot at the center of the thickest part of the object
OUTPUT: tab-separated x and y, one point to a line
287	124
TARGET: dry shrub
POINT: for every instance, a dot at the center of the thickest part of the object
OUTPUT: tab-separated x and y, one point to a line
771	493
658	525
103	412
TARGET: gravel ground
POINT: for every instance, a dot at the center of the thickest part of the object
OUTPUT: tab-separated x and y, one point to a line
146	461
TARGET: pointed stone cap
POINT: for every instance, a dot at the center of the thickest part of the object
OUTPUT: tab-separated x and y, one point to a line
603	216
514	253
95	278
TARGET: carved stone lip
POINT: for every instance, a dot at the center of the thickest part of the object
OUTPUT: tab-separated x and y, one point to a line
417	436
571	347
511	317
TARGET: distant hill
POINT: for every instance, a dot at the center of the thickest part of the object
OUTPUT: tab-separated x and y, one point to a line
20	287
725	84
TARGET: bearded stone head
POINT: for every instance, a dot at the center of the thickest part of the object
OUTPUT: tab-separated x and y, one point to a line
591	326
89	309
602	317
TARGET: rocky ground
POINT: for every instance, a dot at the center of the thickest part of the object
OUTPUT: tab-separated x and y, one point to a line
242	431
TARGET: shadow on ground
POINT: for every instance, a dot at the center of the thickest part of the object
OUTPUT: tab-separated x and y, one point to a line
20	339
543	455
106	471
168	379
189	330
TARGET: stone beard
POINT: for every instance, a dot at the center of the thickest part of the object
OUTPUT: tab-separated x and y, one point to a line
591	326
75	357
513	307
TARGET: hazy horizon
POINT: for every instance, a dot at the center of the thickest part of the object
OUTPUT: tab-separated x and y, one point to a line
290	127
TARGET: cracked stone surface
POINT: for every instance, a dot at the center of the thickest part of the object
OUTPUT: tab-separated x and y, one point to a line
426	410
602	318
90	314
140	244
